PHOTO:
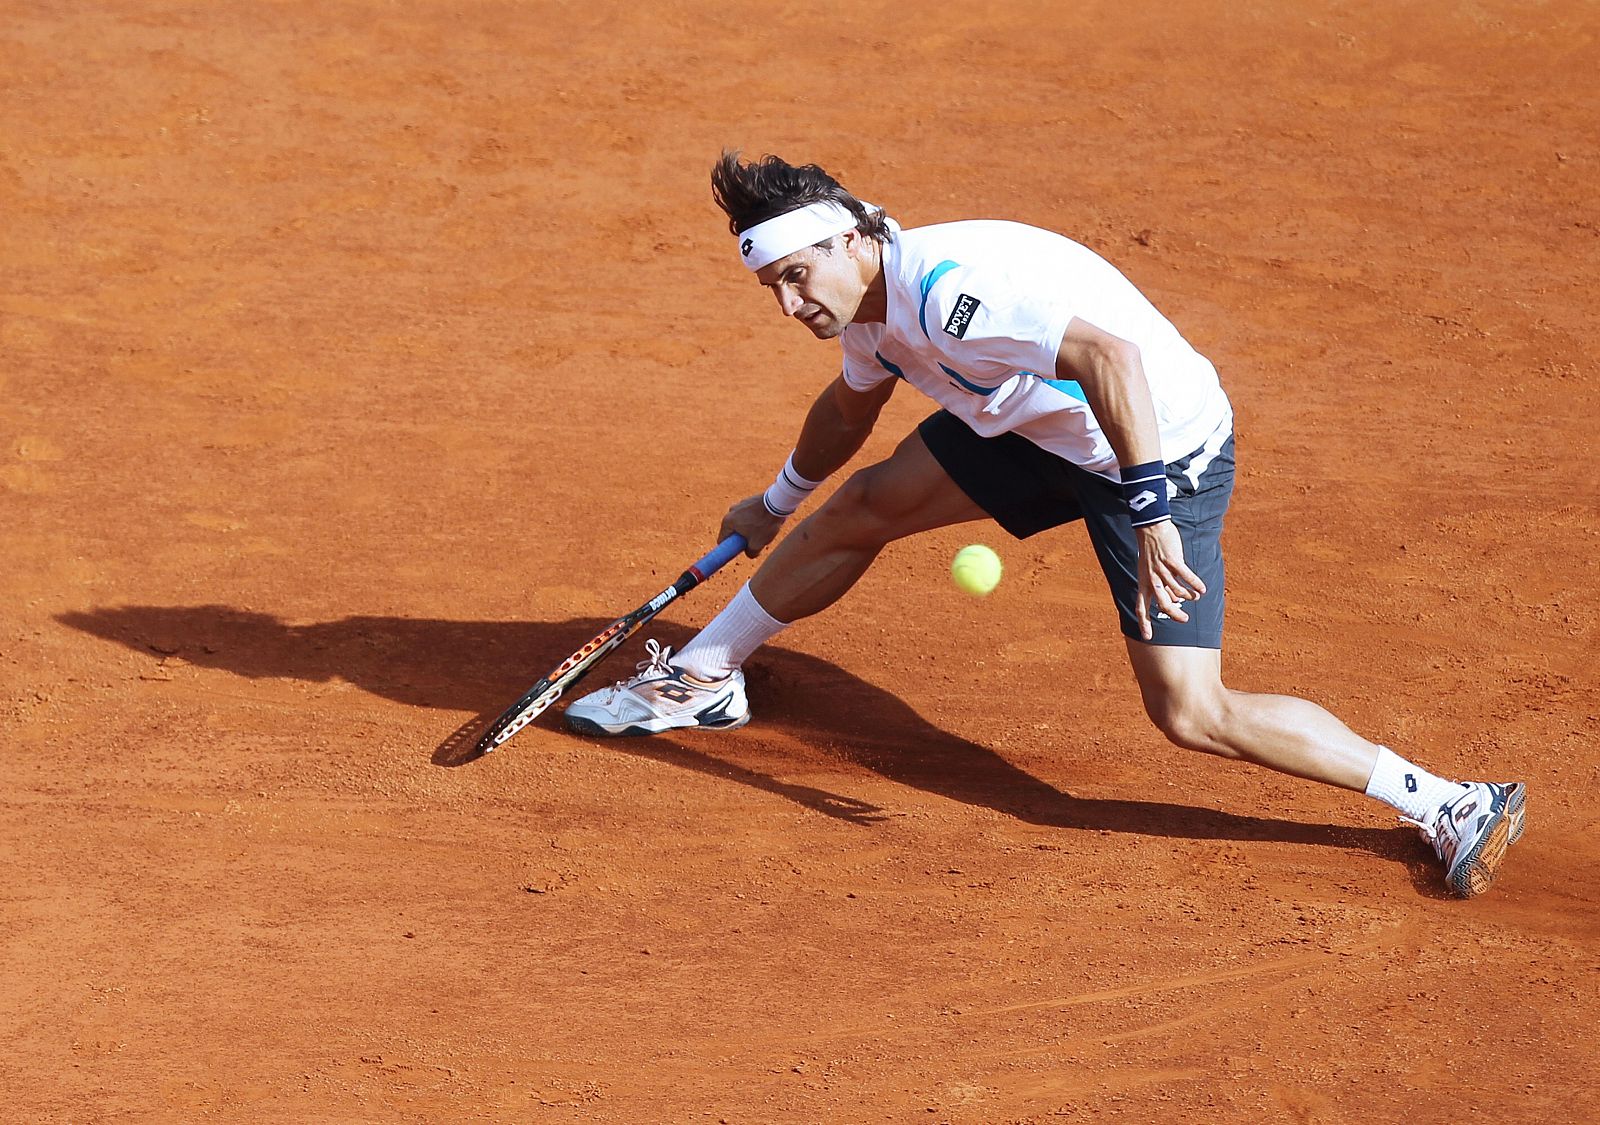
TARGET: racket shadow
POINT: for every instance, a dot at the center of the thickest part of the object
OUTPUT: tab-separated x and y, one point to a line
480	666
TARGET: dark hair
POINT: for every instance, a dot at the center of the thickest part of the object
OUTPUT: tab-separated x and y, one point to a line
758	190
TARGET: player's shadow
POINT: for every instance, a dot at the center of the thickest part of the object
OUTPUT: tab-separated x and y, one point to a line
815	708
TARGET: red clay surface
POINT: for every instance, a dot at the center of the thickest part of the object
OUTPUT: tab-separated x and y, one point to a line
360	359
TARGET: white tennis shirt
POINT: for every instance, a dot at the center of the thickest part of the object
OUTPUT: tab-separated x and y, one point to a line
976	313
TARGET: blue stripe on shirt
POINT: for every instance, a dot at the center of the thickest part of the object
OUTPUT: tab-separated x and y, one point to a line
928	283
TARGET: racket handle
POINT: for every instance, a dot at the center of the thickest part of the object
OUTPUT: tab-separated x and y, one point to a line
718	557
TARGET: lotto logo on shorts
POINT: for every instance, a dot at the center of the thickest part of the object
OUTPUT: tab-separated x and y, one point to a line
961	316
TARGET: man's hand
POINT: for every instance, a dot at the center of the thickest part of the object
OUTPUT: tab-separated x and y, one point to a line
1165	580
750	518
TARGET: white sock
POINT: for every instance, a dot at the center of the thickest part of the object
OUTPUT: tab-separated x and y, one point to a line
1412	790
725	644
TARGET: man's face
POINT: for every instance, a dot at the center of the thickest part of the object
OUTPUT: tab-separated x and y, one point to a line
822	289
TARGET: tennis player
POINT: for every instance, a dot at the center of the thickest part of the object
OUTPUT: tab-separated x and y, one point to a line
1064	396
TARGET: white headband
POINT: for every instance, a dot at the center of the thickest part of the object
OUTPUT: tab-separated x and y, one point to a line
781	236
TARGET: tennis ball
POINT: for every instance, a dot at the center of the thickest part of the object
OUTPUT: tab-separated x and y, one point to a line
976	569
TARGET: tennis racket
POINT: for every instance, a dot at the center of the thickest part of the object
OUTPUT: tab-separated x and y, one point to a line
575	667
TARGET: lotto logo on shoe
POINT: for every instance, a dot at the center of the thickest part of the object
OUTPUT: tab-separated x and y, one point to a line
676	692
961	316
1465	811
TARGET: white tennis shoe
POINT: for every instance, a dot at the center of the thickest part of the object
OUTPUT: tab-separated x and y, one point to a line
660	698
1472	831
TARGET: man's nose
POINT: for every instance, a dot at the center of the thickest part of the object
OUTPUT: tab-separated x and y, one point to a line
789	301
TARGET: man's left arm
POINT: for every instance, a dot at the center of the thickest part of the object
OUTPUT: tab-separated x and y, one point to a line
1110	371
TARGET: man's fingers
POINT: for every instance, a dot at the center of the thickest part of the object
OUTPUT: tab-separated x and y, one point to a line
1180	593
1183	583
1170	602
1190	578
1166	581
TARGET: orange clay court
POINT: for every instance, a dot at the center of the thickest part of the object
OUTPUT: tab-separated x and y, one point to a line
362	360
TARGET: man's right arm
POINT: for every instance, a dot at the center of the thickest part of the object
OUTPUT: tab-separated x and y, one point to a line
835	429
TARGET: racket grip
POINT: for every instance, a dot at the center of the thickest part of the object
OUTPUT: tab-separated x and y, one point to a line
718	557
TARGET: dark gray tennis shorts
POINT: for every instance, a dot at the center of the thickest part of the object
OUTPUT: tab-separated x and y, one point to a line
1028	490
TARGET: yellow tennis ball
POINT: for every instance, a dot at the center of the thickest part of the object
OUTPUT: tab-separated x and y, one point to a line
976	569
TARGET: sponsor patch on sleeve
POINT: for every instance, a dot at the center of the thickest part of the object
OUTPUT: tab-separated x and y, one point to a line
961	316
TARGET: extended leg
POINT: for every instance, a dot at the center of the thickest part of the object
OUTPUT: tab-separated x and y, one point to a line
1185	697
1469	824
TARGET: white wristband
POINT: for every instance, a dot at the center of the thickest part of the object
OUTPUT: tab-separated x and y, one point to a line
788	491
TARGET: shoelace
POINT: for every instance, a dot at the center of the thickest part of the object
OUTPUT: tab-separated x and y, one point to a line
1426	830
1429	833
657	659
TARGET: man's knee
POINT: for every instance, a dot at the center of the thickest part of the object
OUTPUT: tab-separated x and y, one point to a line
1192	718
